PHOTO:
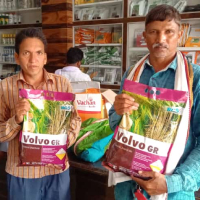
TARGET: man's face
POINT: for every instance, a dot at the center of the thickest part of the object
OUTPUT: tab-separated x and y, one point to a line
31	57
162	38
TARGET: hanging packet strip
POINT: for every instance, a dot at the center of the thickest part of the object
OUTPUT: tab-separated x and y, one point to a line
142	141
43	139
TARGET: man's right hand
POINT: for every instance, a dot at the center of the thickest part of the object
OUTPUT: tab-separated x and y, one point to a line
124	104
21	108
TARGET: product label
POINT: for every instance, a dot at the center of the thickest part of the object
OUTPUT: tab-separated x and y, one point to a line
175	110
142	143
41	149
88	102
138	152
66	107
43	139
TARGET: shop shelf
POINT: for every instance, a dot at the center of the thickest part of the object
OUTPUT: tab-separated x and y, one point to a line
20	10
101	66
98	4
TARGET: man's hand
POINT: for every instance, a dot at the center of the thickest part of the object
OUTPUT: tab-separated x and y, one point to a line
124	104
155	186
21	108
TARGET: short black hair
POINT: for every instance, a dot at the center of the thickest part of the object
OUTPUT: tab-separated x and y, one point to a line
29	33
163	12
74	55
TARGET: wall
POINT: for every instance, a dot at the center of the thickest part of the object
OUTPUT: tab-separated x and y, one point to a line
57	27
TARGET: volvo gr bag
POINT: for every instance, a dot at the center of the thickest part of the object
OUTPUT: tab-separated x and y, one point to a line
43	139
142	141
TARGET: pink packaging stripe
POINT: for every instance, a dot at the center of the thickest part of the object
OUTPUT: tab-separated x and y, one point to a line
47	95
116	130
155	93
20	136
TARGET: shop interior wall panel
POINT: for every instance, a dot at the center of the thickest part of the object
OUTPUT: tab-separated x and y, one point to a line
57	27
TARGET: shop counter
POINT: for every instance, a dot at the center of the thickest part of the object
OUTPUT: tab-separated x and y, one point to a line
89	181
3	186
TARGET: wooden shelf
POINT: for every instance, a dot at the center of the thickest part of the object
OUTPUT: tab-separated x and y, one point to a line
98	22
114	2
102	45
186	15
190	15
189	48
8	63
21	10
102	66
16	26
109	86
138	49
179	48
7	45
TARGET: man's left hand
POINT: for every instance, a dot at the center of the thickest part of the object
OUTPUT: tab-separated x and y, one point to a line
155	186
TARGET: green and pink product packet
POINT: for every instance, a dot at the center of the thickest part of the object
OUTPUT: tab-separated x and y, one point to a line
43	139
142	141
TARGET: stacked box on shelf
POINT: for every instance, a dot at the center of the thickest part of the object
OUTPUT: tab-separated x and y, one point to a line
98	11
102	56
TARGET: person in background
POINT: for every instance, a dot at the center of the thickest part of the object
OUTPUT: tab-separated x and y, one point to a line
32	182
72	71
162	33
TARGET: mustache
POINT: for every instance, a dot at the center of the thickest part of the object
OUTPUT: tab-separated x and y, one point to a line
160	45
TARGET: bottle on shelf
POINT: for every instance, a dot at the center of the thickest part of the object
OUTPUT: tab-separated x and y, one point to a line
7	55
19	19
2	19
3	39
6	19
7	39
13	39
10	19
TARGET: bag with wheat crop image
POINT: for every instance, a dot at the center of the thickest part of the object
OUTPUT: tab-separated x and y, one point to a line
142	140
43	139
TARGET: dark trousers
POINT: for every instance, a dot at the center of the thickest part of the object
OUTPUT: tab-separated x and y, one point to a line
53	187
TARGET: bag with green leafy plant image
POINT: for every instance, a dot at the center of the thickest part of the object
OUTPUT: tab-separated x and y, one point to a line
142	141
43	139
93	139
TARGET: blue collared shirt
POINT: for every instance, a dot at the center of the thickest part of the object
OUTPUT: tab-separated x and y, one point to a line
186	178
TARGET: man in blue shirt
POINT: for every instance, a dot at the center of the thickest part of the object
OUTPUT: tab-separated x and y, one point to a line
162	33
